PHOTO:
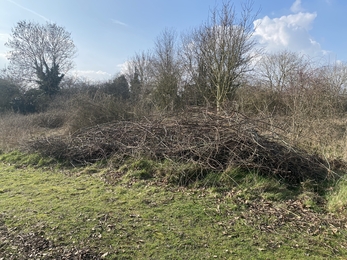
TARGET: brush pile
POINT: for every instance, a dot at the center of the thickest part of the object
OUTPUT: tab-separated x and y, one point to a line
214	142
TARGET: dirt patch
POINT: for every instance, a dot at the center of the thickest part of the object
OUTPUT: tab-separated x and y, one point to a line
33	245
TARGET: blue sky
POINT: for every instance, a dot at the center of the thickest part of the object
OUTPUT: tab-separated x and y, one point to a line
107	33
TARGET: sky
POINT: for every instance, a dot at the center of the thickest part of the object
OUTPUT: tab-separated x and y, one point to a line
107	33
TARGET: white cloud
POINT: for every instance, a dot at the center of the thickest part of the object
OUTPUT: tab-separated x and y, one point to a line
123	67
118	22
296	7
289	32
92	75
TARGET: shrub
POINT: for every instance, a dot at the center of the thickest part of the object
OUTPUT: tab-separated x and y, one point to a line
88	111
8	94
51	119
31	101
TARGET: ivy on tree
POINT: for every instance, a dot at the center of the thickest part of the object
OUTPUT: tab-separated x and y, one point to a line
41	54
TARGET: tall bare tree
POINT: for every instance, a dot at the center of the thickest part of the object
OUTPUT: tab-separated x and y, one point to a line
166	70
139	72
40	54
334	76
283	71
219	52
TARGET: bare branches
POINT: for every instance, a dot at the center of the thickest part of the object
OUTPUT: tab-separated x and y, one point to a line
283	71
166	71
139	70
219	53
37	49
213	142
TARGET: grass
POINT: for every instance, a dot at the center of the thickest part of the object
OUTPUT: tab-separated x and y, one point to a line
338	197
134	212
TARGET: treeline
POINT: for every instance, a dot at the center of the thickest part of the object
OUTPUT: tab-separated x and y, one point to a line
217	65
17	98
280	83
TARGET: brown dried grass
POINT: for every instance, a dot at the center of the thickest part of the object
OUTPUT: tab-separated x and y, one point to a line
15	129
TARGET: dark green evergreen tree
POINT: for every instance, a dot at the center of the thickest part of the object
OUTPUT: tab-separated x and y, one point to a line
136	87
122	87
119	88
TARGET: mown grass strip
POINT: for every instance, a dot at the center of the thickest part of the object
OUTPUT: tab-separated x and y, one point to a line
139	219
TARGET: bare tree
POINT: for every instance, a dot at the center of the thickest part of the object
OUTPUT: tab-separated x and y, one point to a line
334	77
283	71
300	87
220	52
139	72
166	70
40	54
328	87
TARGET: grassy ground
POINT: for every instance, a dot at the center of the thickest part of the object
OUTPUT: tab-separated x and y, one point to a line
133	212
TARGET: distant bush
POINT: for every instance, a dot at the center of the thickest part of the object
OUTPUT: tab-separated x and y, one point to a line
88	111
255	101
9	92
31	101
118	88
51	119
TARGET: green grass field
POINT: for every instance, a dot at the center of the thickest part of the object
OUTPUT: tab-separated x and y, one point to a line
103	212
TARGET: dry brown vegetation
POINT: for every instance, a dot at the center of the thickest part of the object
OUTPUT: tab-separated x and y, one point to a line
212	142
294	129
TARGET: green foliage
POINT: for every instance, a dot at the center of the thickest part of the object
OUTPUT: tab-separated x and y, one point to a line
31	101
252	185
141	208
142	169
183	174
119	88
49	79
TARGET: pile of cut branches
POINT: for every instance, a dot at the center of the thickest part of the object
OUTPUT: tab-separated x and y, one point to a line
214	142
